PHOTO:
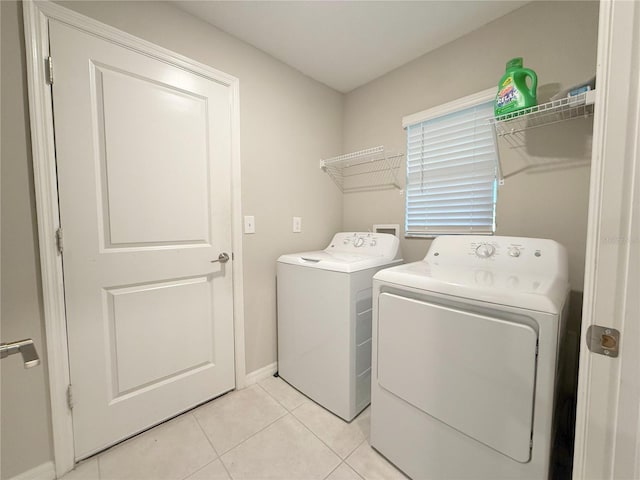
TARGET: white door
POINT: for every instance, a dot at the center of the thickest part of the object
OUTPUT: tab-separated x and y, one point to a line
608	413
143	158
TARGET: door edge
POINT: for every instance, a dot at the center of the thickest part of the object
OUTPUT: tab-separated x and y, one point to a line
615	130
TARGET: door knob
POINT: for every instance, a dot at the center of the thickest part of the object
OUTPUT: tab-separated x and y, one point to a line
222	258
25	347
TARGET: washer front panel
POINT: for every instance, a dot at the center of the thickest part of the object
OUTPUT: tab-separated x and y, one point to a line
473	372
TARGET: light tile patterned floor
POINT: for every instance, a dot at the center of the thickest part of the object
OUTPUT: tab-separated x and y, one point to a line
267	431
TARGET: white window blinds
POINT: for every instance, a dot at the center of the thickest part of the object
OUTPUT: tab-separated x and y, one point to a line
452	165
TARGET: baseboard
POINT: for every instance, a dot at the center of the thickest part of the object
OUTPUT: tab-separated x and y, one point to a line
261	374
46	471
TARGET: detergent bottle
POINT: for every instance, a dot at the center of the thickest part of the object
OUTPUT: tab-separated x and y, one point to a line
513	92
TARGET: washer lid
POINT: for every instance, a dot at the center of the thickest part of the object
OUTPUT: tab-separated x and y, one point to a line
350	252
521	272
337	262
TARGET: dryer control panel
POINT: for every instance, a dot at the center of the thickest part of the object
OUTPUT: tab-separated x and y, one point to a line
515	254
365	243
488	249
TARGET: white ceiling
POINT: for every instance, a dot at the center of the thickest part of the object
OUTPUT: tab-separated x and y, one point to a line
345	44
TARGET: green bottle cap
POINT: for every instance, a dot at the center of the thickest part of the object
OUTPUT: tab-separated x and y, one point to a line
515	63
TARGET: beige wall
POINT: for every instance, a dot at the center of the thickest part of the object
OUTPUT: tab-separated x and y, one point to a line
558	40
288	122
24	400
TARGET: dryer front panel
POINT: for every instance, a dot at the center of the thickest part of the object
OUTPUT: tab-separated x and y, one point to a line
473	372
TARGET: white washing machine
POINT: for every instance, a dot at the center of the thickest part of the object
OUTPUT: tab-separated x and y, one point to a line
324	319
465	357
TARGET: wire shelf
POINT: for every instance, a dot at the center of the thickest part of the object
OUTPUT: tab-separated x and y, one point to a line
365	170
563	109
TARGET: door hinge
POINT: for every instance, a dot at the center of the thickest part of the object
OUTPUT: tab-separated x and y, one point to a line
603	340
48	65
59	240
69	397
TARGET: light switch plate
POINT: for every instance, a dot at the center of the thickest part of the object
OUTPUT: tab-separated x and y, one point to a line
297	224
249	224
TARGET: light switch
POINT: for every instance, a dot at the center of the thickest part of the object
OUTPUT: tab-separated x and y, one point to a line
249	224
297	224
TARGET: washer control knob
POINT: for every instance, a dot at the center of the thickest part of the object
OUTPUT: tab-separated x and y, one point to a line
514	252
485	250
359	242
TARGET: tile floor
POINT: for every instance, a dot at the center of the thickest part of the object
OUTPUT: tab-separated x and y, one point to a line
266	431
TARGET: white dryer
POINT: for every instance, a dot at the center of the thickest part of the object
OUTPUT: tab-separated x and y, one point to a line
324	318
465	357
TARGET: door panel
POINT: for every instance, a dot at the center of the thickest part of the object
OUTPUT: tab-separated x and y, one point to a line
474	373
143	329
143	156
151	178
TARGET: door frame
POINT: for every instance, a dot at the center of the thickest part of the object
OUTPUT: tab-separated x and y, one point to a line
36	16
611	281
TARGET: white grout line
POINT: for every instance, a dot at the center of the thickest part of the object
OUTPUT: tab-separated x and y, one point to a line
304	397
247	439
307	399
284	414
378	454
225	468
218	457
354	470
354	450
337	467
349	467
202	467
287	412
205	435
366	440
321	440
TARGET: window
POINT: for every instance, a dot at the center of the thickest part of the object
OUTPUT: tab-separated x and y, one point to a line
452	169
